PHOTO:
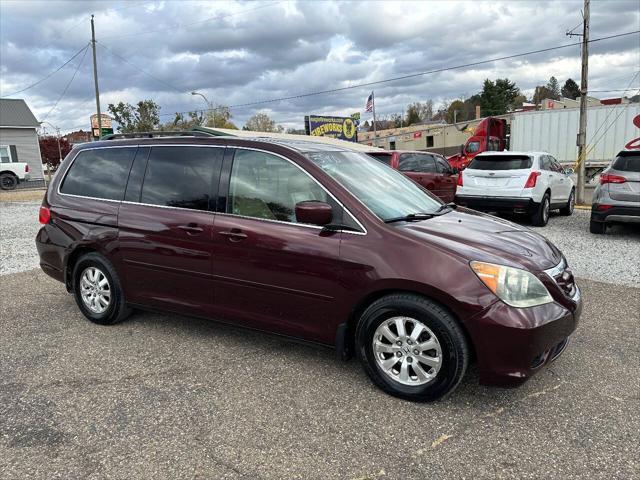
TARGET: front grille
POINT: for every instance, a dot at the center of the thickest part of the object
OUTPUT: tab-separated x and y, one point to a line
563	276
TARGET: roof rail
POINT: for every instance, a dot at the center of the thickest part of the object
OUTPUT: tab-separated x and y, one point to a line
115	136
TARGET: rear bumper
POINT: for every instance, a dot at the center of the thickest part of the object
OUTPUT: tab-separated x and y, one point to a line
498	204
512	344
626	214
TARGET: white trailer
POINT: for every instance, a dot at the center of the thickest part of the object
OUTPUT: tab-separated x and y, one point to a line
609	129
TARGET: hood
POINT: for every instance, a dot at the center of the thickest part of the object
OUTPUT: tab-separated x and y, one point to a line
477	236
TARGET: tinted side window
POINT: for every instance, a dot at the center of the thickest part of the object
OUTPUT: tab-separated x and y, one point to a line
416	162
269	187
545	163
182	176
99	173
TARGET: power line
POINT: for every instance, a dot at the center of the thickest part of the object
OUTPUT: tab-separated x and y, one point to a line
414	75
182	25
68	84
139	69
46	77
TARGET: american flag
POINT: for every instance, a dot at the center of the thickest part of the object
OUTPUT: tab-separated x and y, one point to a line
369	106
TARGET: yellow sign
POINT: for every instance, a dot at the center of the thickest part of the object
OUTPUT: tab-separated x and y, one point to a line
343	128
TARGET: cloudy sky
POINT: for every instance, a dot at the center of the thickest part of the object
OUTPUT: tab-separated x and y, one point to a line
238	52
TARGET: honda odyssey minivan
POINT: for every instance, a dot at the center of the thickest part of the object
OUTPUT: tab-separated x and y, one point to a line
311	241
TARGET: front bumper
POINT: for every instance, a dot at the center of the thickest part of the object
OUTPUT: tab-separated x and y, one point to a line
512	344
498	204
626	214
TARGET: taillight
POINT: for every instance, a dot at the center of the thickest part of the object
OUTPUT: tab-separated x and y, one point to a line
608	178
533	178
26	168
603	207
45	215
459	182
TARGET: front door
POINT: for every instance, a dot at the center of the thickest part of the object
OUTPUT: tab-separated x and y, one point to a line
166	228
447	180
272	272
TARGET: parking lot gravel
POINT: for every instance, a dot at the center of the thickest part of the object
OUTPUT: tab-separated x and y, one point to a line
18	228
165	396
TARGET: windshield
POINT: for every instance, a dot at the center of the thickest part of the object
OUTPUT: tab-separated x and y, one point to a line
383	190
473	147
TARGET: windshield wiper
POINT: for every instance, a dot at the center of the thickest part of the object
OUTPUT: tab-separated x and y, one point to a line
412	217
450	206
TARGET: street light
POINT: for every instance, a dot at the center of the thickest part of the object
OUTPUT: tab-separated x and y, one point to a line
209	106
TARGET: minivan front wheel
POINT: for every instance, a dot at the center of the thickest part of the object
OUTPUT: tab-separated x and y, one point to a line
98	291
411	347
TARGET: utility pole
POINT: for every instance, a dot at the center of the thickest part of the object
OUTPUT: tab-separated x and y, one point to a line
582	133
95	77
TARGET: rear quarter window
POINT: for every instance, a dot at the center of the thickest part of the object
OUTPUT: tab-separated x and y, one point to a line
382	157
99	173
500	162
627	162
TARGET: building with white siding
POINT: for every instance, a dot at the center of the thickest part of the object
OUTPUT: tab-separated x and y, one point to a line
19	136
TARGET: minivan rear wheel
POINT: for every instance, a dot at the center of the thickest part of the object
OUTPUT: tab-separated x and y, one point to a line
98	291
412	347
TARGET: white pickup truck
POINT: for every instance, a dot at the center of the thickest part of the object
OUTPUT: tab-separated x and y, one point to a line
11	173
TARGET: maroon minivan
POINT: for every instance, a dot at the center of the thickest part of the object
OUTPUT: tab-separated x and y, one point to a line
311	241
431	170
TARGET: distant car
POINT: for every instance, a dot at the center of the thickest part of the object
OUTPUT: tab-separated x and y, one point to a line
617	197
11	173
431	170
532	183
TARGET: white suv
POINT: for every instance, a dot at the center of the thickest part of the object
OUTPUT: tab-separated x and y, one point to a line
518	182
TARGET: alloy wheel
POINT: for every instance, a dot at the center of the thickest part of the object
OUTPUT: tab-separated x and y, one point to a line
95	290
407	351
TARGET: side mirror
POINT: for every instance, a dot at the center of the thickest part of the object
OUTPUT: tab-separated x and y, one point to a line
454	171
313	212
568	171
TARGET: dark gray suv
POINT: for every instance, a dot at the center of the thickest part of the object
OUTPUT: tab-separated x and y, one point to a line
617	197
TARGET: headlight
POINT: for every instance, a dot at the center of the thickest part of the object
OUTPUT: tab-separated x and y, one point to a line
513	286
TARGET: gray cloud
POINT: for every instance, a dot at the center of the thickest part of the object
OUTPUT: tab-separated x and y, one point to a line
239	51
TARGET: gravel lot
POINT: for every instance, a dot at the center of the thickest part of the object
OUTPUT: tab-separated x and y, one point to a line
612	258
164	396
18	228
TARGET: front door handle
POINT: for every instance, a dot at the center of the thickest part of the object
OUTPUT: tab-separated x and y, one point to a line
191	229
234	235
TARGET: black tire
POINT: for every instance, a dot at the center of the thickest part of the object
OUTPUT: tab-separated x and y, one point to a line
597	227
568	208
452	341
8	181
117	309
541	216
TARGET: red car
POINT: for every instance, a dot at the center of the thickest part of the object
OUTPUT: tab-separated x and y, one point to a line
431	170
311	241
